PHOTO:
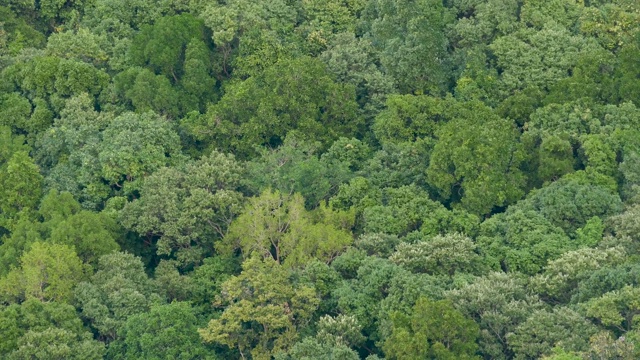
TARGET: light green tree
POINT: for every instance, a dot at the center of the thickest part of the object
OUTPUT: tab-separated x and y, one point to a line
562	276
20	186
498	302
617	309
263	310
46	330
47	272
544	330
277	227
440	255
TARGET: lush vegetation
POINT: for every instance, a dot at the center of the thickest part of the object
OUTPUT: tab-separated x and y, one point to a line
320	179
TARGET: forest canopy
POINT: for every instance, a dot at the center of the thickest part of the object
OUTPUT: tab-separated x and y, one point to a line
320	179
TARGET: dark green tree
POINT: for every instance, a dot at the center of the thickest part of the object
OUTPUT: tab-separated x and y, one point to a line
165	332
433	330
410	36
297	94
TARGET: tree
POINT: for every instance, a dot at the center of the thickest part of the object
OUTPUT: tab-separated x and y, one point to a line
296	167
476	161
377	244
51	13
604	346
403	210
296	94
208	278
480	22
74	135
592	77
263	310
24	233
106	154
538	57
82	45
54	208
537	14
166	331
57	344
410	118
91	234
325	19
312	349
133	146
520	240
353	60
570	203
627	70
410	35
47	272
20	186
261	34
350	152
625	224
555	156
175	57
277	227
23	116
45	330
397	165
560	354
119	289
562	276
197	81
616	309
17	33
544	330
333	340
59	220
498	303
146	91
118	20
606	279
612	24
53	80
188	207
441	255
161	46
433	330
375	288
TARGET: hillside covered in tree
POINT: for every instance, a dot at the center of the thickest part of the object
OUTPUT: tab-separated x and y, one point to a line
319	179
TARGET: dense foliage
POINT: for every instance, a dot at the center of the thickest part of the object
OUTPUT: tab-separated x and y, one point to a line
320	179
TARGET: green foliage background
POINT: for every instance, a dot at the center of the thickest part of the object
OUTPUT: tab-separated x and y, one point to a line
320	179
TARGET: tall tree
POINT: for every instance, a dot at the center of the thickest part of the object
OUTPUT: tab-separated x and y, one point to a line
277	227
263	310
